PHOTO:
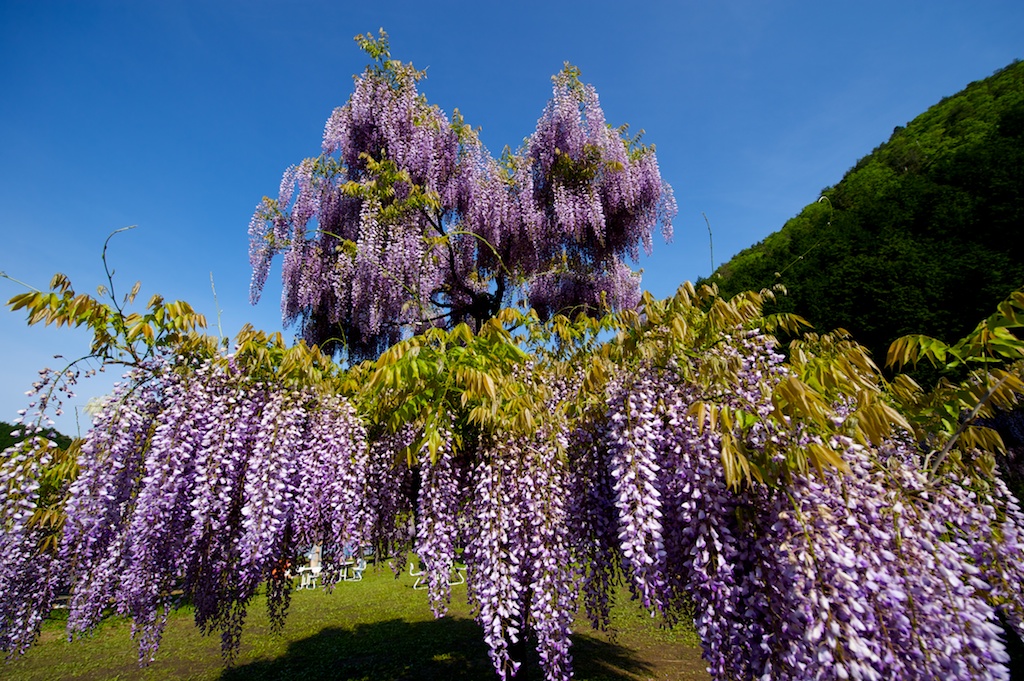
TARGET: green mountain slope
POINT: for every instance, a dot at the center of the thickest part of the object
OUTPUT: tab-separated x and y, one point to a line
924	235
9	439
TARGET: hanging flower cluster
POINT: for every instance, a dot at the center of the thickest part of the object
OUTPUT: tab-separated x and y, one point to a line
388	494
874	574
439	511
870	579
588	199
202	479
522	578
27	583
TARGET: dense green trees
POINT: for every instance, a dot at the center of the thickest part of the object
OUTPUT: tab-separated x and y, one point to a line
920	236
11	434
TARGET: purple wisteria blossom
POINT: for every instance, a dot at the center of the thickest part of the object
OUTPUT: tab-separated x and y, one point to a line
201	479
522	579
588	200
879	573
439	509
406	221
29	579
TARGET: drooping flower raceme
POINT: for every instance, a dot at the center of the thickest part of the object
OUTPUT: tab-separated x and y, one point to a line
29	578
439	511
521	573
587	200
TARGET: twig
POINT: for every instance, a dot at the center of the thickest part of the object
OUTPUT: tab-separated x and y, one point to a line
944	452
220	331
106	268
711	243
4	275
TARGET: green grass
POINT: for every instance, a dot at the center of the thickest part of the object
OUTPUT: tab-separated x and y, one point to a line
376	629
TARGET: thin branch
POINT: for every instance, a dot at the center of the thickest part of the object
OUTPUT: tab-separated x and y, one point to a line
220	331
711	243
4	275
964	424
106	267
58	378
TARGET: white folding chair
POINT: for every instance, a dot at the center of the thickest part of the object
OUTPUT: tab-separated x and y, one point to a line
460	575
354	572
456	576
421	580
308	576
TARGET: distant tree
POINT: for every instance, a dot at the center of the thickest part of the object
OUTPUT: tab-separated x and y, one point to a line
405	221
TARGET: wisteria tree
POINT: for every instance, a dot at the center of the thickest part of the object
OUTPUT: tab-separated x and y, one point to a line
814	519
405	221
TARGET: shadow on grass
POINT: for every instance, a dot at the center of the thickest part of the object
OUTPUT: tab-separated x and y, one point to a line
395	650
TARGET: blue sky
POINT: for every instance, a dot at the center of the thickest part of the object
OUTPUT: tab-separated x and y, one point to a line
179	116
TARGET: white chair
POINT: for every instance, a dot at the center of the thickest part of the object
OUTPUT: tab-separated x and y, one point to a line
421	581
456	576
460	575
308	577
354	571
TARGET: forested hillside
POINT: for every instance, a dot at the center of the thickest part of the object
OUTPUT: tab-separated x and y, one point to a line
924	235
11	434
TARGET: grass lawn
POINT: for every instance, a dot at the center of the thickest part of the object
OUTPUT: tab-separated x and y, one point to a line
376	629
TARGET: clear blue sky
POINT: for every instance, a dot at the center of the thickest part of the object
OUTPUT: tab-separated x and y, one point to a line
179	115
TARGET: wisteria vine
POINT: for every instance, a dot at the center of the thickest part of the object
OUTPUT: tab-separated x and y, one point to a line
203	481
